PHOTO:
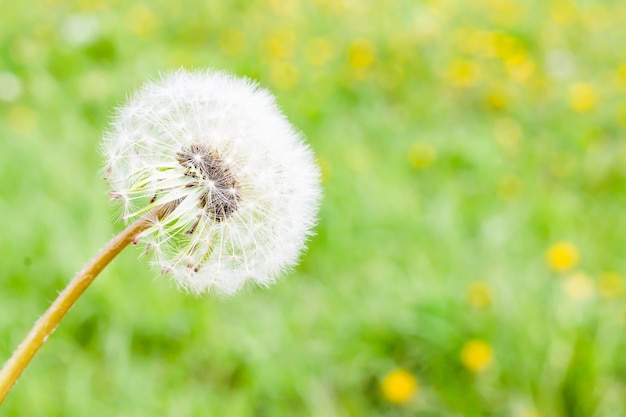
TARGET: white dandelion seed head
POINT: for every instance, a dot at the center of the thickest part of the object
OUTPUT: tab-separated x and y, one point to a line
241	186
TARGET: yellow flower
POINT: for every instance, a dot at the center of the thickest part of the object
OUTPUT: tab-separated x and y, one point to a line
582	97
508	133
281	43
361	54
562	256
479	294
399	386
611	285
318	51
422	155
520	67
476	355
141	20
284	75
528	413
22	119
496	99
509	187
232	41
463	73
621	76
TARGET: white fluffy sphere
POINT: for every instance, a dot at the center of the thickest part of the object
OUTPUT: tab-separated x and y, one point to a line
242	187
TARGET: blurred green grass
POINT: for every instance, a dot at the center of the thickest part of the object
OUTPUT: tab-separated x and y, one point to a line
460	142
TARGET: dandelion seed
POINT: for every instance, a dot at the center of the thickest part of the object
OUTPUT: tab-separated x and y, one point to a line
240	186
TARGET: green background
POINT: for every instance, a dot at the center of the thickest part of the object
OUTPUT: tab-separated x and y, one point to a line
458	140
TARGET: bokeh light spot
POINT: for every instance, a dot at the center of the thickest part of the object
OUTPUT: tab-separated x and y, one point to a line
611	285
562	256
399	386
578	286
318	51
582	97
361	54
479	294
22	119
476	355
422	155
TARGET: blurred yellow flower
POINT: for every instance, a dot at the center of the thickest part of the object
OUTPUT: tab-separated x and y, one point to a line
505	46
496	99
318	51
611	285
463	73
509	187
285	7
92	5
284	75
528	413
232	41
563	12
141	20
479	294
22	119
281	43
476	355
520	67
399	386
508	133
505	12
562	256
578	286
361	54
621	76
582	97
422	155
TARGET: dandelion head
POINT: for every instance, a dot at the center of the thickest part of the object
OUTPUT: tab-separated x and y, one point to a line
476	355
399	386
237	186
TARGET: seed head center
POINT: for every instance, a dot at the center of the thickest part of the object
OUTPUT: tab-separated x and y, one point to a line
210	173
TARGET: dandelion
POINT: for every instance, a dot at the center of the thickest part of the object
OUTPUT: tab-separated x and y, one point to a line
562	256
582	97
220	189
463	73
476	355
361	54
318	51
422	155
399	386
242	186
611	285
479	294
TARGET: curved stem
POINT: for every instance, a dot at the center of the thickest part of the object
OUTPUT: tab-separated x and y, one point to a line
66	299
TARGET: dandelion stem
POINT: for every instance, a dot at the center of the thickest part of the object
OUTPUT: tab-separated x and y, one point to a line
66	299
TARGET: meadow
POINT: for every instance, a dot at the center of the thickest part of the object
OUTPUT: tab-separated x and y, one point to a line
470	257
